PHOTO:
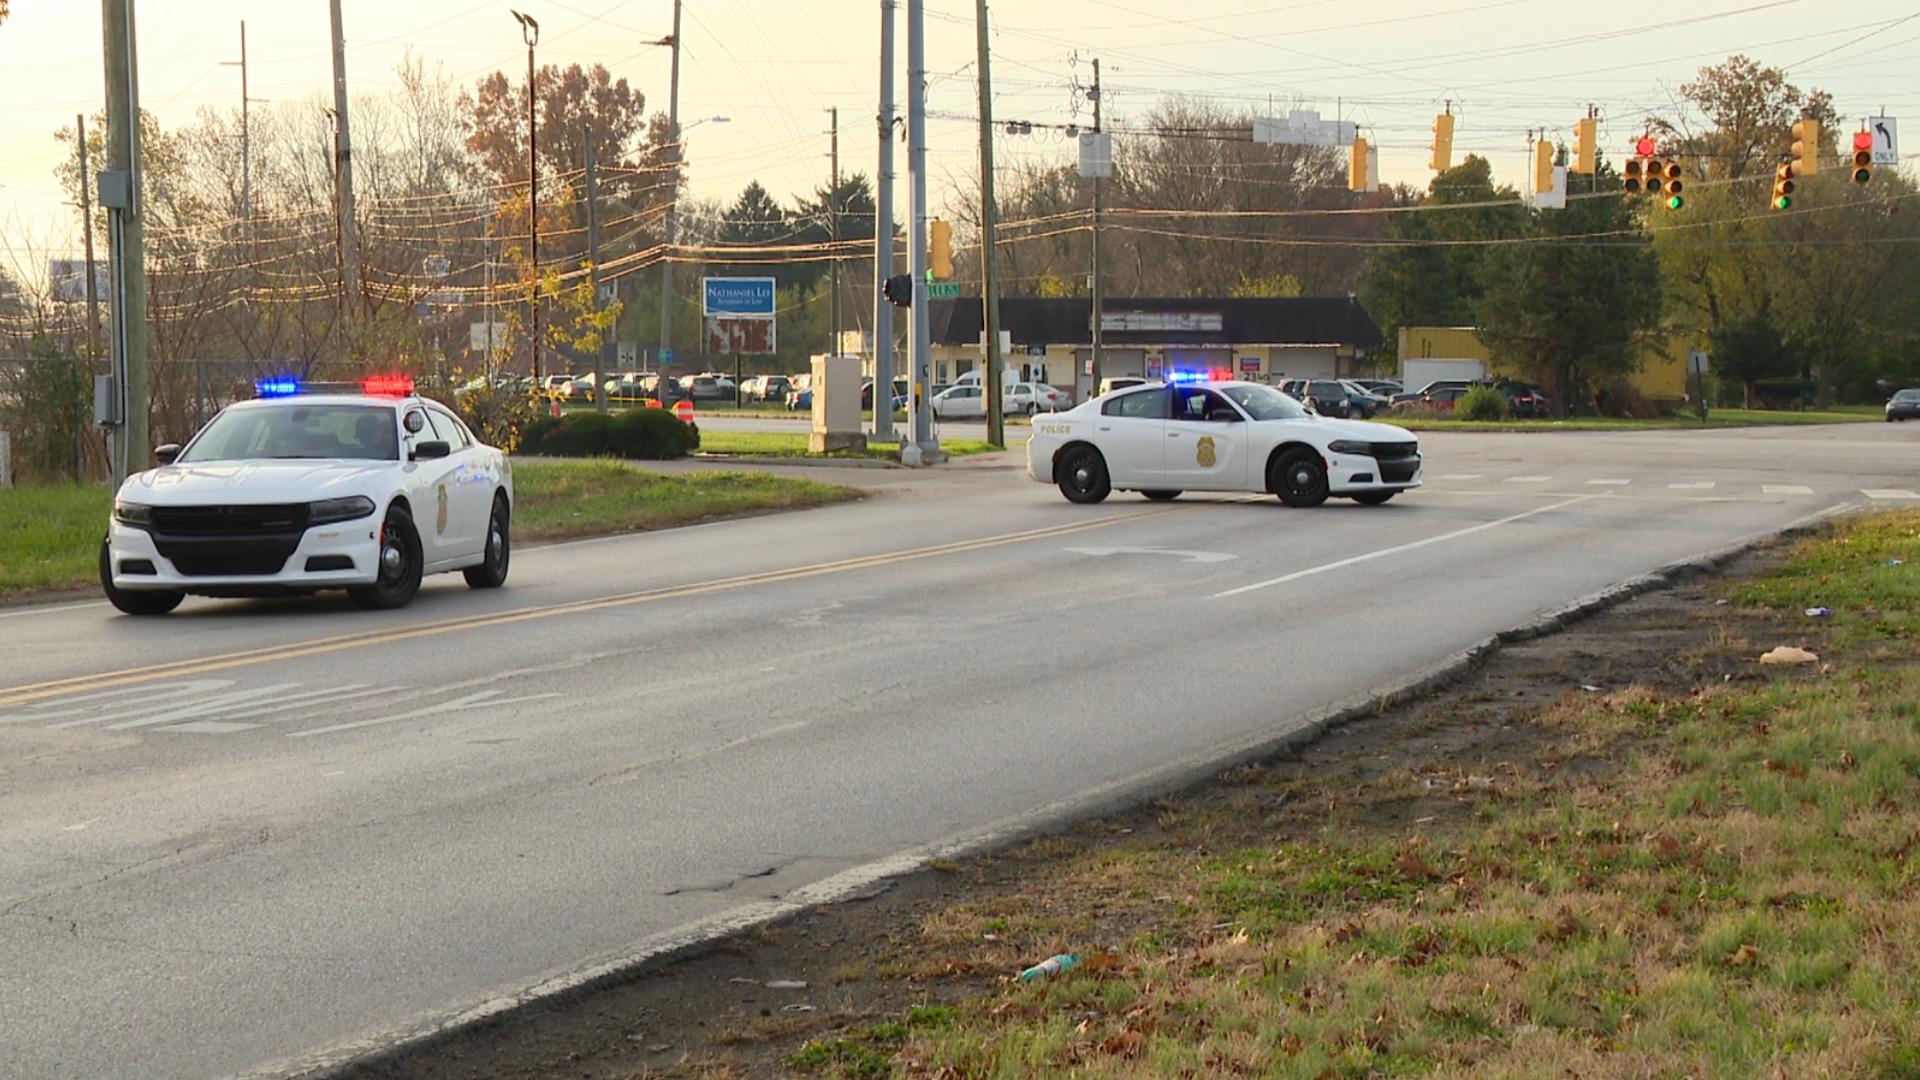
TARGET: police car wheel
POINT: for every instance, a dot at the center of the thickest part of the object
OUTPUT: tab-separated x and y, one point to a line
399	565
1161	496
1082	476
1299	479
135	601
492	573
1374	498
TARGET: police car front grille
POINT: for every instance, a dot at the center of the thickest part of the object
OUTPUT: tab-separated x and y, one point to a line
1395	451
237	520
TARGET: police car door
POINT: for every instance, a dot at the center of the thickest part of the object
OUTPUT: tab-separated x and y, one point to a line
470	490
430	484
1206	442
1129	432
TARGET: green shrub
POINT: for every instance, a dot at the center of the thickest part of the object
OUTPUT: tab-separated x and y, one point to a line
641	434
1482	403
651	435
498	415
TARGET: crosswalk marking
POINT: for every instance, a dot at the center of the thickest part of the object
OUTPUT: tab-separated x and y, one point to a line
1608	483
217	707
1694	485
1888	493
1528	479
1786	489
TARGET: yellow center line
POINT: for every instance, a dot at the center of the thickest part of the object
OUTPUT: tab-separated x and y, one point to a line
318	646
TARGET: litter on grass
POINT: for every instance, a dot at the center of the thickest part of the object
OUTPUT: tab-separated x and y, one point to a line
1788	654
1052	965
1819	612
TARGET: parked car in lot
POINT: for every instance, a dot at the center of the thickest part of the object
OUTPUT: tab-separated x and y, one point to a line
1432	387
1383	388
1524	399
1439	399
866	392
1031	398
1334	397
1120	382
1904	404
557	385
765	388
707	386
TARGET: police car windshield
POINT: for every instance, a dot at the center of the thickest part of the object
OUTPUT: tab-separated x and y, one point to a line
298	430
1264	402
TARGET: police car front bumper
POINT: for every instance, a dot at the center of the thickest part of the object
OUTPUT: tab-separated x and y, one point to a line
1349	474
320	557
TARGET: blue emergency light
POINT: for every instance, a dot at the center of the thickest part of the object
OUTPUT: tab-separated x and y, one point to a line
276	387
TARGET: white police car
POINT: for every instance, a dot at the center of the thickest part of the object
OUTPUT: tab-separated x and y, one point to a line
1162	439
363	487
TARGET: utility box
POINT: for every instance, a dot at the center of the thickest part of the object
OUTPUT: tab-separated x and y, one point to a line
106	401
836	404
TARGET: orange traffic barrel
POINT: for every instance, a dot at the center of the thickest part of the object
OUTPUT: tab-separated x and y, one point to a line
683	410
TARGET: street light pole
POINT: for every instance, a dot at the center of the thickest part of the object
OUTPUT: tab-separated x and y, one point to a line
530	31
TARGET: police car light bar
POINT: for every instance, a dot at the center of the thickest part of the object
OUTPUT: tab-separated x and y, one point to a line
279	386
1186	375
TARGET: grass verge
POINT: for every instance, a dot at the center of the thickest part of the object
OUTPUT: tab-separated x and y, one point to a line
562	499
1718	418
50	536
1705	869
784	444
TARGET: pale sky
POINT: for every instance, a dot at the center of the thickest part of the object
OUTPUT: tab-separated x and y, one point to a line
774	66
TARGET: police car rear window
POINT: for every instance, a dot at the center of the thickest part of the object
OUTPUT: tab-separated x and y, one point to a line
1150	404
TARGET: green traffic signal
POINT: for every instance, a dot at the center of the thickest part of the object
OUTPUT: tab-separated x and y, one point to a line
1676	203
1861	176
1782	203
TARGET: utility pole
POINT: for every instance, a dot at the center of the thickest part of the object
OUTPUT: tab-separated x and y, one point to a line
343	176
1099	195
530	31
246	157
833	231
989	293
673	199
926	451
883	230
86	229
126	239
593	275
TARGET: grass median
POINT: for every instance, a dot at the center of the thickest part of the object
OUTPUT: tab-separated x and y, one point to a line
1703	867
794	445
50	536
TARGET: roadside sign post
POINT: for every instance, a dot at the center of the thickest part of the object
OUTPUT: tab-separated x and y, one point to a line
1697	367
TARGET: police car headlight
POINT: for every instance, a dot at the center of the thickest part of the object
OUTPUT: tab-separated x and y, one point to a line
328	511
1348	446
128	513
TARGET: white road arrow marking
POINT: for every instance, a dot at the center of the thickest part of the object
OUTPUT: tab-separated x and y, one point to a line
484	699
1189	556
1786	489
1888	493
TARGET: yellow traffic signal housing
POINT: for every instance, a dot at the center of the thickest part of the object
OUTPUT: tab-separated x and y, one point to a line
1442	144
1675	185
940	248
1632	181
1783	186
1586	146
1806	147
1862	156
1542	166
1656	176
1357	166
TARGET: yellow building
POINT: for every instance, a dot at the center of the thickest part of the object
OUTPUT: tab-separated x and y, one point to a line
1428	352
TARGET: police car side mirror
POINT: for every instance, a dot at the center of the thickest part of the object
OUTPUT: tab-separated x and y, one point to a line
432	448
165	453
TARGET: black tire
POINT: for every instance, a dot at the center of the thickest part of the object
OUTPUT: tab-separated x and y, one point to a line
1032	408
1161	496
1374	498
1082	475
400	572
1299	478
135	601
492	573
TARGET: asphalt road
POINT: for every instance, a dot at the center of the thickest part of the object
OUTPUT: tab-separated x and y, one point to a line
253	833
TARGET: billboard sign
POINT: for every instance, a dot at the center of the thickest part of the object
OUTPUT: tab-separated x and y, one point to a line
737	296
737	334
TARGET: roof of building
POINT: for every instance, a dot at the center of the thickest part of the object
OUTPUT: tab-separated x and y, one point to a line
1298	320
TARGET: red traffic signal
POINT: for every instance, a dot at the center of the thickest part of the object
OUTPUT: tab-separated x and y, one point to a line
1644	146
1863	140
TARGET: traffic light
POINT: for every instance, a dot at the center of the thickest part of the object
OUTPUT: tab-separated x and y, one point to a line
1783	186
1586	145
899	290
1442	144
1806	147
1542	166
940	248
1862	156
1357	166
1656	176
1633	182
1674	186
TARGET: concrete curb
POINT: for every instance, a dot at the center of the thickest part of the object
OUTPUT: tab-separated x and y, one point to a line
428	1033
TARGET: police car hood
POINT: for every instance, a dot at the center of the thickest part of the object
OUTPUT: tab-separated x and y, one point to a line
1360	430
303	480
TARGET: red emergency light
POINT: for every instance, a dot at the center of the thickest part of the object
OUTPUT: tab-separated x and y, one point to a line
387	385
